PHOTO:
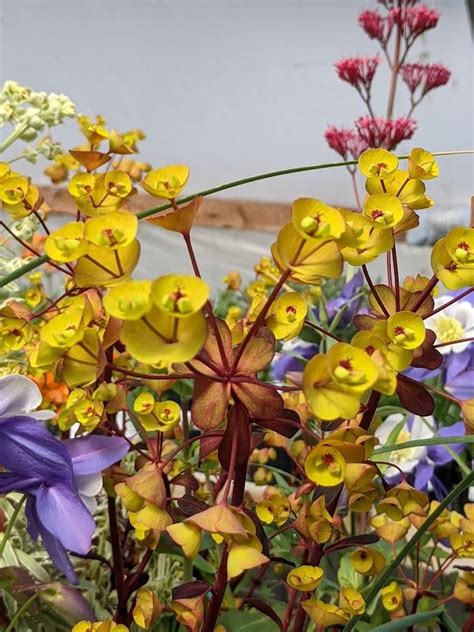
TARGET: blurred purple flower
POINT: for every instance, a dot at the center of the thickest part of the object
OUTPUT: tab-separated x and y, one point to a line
419	463
459	379
286	360
56	476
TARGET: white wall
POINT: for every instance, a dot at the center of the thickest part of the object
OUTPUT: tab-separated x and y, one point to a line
235	87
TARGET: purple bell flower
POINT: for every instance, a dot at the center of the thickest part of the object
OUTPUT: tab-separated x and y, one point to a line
59	478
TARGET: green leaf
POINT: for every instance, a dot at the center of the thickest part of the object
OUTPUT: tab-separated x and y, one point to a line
406	622
382	579
247	621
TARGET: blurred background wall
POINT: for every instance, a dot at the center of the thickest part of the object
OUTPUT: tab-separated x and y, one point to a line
236	87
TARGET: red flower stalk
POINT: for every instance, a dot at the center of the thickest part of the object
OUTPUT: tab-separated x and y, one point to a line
414	20
381	132
426	77
358	71
346	142
376	26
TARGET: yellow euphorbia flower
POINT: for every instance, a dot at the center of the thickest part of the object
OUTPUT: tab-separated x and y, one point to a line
159	337
406	330
131	500
351	368
118	183
383	210
401	501
143	405
307	260
244	556
390	530
166	182
99	626
335	382
67	243
315	220
31	201
106	267
325	466
149	520
305	578
409	191
460	246
147	608
275	509
179	295
100	200
367	561
81	184
14	189
188	536
351	601
112	230
14	334
422	164
375	346
163	417
286	316
4	170
361	243
452	275
377	163
130	300
323	614
392	597
64	330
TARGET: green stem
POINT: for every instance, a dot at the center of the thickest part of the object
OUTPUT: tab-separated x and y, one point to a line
11	524
416	443
19	613
17	132
380	582
229	185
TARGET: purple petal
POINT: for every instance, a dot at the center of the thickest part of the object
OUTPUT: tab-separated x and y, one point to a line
27	448
55	549
424	472
17	483
65	516
34	527
462	386
438	453
94	453
456	363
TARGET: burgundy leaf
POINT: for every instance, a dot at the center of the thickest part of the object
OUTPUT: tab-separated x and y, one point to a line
414	396
426	356
261	402
190	590
185	480
261	535
258	353
210	400
354	540
282	425
209	445
188	505
261	605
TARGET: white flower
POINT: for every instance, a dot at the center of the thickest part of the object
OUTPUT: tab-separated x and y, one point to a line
455	322
408	458
21	396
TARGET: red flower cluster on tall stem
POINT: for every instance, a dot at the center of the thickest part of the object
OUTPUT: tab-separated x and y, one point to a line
395	27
